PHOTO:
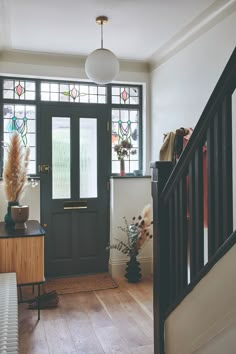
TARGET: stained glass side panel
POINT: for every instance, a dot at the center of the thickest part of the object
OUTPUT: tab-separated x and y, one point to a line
73	92
19	89
88	158
61	158
21	118
125	95
125	126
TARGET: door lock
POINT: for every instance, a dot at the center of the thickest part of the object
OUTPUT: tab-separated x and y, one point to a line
44	168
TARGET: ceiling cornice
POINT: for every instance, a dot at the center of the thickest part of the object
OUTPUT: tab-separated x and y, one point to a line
63	60
214	14
193	30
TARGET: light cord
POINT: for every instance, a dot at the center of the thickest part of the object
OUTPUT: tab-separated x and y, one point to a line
102	34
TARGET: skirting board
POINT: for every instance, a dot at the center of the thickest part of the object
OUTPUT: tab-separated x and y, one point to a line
117	267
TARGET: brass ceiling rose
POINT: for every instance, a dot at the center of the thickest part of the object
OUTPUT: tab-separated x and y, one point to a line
100	20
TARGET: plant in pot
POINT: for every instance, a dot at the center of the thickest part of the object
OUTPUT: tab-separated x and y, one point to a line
138	233
15	179
124	150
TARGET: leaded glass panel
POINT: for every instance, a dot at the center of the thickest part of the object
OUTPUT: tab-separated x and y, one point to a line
88	158
19	89
125	95
125	126
21	118
73	92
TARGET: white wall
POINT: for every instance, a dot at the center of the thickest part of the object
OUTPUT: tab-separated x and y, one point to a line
181	87
128	197
205	321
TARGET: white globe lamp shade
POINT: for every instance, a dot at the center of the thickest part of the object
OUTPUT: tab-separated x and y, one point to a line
102	66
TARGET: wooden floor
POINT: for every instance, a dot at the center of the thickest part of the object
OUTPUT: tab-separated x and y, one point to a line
106	321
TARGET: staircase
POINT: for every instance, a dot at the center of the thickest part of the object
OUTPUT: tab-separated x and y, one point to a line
190	236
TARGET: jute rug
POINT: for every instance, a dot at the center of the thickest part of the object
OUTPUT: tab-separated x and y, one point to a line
92	282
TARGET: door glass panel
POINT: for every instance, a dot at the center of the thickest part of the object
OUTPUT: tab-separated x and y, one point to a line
61	187
88	158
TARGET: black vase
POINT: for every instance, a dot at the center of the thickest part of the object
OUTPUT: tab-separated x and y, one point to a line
133	270
8	218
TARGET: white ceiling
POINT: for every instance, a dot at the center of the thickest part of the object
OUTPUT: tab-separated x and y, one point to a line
137	29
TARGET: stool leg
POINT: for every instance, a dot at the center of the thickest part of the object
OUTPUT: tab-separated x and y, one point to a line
38	302
20	293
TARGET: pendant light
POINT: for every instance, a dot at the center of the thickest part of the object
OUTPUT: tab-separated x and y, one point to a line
102	66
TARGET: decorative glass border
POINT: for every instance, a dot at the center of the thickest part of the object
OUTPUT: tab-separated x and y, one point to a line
125	95
21	118
72	92
19	89
125	126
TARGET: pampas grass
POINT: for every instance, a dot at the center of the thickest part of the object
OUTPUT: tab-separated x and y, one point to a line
15	168
145	227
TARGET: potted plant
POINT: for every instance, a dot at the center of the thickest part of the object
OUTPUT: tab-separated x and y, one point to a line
124	149
15	173
138	233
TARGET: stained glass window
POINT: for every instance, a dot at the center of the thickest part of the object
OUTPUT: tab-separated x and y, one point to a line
125	95
73	92
123	106
19	89
125	126
22	118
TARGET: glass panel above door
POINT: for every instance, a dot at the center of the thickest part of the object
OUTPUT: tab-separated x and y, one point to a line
19	89
73	92
61	158
88	158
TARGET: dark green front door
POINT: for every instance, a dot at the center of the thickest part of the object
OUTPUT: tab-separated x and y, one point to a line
74	154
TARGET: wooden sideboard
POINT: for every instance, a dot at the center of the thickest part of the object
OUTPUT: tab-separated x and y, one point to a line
22	252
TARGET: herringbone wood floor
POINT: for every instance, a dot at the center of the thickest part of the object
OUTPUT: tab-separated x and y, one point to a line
106	321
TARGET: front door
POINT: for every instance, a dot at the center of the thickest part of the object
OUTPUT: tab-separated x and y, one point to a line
74	154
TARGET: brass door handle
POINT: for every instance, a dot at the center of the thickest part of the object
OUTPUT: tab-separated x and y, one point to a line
44	168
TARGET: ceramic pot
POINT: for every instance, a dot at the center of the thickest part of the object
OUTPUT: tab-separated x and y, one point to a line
20	215
133	270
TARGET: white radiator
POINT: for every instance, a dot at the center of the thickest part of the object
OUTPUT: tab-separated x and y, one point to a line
8	313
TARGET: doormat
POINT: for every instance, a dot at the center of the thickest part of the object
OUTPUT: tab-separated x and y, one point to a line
71	285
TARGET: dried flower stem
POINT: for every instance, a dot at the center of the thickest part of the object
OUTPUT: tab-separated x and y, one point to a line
15	168
138	233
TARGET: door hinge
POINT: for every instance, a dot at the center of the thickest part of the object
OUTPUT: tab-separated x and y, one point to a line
108	185
108	126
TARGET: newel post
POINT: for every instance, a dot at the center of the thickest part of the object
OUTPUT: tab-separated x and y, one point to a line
160	173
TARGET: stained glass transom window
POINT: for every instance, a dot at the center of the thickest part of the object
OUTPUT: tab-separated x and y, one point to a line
72	92
125	95
125	126
122	107
19	89
22	118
